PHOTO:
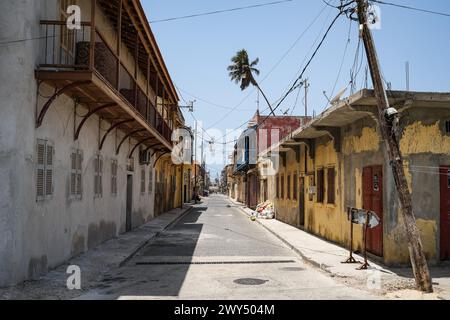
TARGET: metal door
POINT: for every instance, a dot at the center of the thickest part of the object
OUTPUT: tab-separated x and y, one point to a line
445	212
301	200
373	200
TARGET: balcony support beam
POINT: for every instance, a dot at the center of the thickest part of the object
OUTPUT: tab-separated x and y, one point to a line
153	146
114	126
160	156
138	144
57	93
90	114
126	137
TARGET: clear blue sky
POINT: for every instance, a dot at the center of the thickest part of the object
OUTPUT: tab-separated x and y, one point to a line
197	52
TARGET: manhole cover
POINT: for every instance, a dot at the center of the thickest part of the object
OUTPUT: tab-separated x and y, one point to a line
250	281
292	269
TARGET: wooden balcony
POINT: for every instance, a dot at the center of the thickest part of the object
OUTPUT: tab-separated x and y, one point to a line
81	64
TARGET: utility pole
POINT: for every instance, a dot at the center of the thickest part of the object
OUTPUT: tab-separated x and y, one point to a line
201	163
387	117
195	163
306	86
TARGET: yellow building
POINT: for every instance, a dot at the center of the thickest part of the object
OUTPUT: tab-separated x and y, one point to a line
339	161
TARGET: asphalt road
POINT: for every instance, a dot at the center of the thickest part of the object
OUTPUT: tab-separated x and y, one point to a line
216	252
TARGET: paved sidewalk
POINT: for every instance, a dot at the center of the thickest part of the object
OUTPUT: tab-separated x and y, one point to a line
95	263
391	282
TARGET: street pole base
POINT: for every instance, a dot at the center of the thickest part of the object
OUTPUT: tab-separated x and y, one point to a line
365	266
350	260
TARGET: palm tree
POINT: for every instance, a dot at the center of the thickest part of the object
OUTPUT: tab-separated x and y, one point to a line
241	71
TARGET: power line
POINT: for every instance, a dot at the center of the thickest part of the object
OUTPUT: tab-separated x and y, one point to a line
298	82
210	102
221	11
302	34
412	8
342	63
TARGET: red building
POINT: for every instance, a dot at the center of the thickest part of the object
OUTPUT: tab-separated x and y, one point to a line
263	131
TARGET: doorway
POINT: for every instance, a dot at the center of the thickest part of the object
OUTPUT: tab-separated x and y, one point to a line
301	199
445	212
128	223
373	201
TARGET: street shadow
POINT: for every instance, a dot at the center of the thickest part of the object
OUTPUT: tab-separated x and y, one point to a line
160	269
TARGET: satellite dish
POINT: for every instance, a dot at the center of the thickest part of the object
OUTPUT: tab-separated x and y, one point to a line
339	96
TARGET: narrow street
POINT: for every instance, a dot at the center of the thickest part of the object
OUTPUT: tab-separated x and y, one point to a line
216	252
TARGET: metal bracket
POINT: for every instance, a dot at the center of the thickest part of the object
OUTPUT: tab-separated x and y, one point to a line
138	144
88	115
118	124
126	137
160	156
57	93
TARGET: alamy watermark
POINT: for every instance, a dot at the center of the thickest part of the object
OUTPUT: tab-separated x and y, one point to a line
74	280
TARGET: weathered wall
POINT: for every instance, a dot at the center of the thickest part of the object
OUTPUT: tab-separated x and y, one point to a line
287	209
325	219
36	236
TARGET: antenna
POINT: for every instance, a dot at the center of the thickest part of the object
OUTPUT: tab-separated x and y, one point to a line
338	96
407	75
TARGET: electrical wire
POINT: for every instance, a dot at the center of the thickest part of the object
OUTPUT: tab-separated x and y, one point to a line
412	8
302	34
297	82
220	11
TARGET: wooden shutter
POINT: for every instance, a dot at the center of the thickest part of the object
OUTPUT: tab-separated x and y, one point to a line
79	174
150	180
289	187
320	185
49	170
295	181
100	175
40	171
142	180
331	186
96	176
114	177
278	187
73	173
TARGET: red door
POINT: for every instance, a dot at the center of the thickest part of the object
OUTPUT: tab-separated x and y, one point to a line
445	212
373	201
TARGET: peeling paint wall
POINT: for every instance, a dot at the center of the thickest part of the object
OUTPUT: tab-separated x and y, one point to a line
425	147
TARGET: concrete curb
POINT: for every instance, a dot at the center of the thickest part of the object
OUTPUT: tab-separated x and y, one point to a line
310	261
157	234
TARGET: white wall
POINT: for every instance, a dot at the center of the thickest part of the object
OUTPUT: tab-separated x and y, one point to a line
35	236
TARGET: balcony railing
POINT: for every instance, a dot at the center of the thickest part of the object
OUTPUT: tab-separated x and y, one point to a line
72	50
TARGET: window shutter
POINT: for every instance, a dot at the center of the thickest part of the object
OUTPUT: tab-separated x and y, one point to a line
114	177
331	186
40	172
79	172
100	176
142	180
150	181
49	170
73	173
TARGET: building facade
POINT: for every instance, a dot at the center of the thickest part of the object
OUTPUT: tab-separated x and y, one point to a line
262	132
339	161
85	131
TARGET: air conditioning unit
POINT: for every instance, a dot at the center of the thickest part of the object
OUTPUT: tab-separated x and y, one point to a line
144	157
130	164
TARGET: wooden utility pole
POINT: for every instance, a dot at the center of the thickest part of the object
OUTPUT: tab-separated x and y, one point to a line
387	116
